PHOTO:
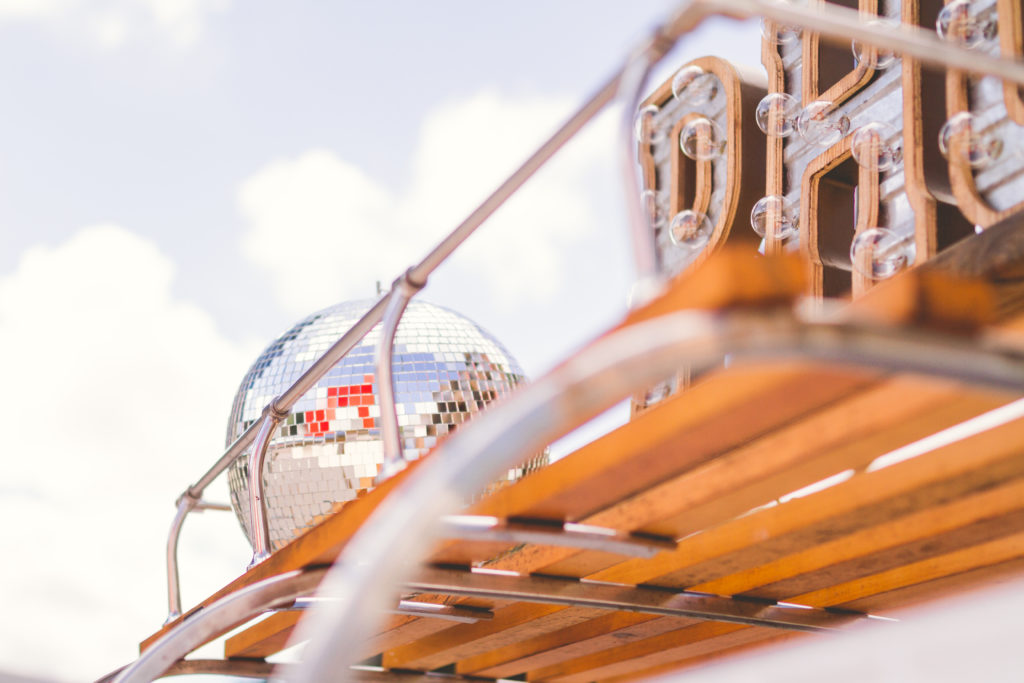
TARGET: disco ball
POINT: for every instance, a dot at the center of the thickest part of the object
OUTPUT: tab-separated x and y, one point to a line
328	450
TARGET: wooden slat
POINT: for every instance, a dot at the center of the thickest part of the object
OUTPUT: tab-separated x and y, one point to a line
1006	549
410	630
993	564
671	650
733	650
995	513
549	648
263	639
946	474
847	434
959	481
933	531
977	566
690	429
890	415
733	278
695	639
468	639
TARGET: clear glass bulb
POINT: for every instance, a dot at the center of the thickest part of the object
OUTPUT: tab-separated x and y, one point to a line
961	135
643	126
690	230
875	58
776	114
775	217
659	392
702	139
655	214
822	123
879	253
778	34
967	23
694	86
876	146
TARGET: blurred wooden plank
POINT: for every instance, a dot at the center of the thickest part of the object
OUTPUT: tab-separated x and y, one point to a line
991	569
960	562
671	646
549	648
963	516
731	278
847	434
987	515
410	630
264	638
516	622
897	601
715	416
850	433
732	649
951	472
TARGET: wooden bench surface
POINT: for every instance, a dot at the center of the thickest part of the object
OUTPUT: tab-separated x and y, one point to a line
712	467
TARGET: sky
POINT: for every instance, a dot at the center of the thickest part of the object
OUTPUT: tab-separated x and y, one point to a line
181	180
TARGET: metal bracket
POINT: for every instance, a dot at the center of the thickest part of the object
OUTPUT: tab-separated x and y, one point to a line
599	595
567	535
458	613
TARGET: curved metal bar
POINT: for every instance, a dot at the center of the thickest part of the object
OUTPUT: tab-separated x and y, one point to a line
185	505
641	229
391	434
364	577
243	668
216	619
258	525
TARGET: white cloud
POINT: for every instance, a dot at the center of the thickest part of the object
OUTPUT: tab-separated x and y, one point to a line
114	397
325	231
111	23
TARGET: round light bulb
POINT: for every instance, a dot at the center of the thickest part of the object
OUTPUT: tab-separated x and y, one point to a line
776	114
655	214
659	392
694	86
967	23
961	135
876	146
875	58
779	34
643	126
774	217
690	230
821	123
879	253
702	139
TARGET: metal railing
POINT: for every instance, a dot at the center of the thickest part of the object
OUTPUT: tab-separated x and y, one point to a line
831	22
362	582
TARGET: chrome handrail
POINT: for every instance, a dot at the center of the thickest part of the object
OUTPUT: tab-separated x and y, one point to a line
218	618
832	22
416	274
391	434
